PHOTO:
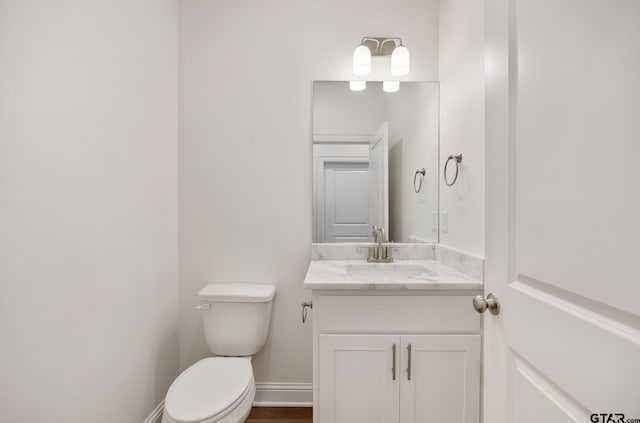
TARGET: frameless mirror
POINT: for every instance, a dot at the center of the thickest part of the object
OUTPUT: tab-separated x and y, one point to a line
375	162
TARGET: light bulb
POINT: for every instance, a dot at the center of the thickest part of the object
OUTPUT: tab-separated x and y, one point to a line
400	60
390	86
357	85
361	60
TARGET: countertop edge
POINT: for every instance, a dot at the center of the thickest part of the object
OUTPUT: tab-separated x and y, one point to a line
339	286
325	282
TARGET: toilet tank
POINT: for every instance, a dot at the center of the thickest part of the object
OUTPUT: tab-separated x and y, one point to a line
236	317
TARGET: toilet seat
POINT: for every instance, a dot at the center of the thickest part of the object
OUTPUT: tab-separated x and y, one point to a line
209	390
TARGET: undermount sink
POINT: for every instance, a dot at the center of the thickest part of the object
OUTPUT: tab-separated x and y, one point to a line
391	270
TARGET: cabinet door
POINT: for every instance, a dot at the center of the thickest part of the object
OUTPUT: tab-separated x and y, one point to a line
356	381
445	379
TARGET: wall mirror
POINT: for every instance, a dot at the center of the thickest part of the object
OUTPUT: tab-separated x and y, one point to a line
375	162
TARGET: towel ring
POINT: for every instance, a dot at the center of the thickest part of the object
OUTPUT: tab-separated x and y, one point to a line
419	186
458	158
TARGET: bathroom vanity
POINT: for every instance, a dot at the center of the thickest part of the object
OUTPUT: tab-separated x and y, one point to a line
394	342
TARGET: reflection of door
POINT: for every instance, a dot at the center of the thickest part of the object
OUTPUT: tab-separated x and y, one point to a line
346	202
341	192
562	233
379	177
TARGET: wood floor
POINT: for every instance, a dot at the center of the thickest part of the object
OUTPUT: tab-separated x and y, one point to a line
280	415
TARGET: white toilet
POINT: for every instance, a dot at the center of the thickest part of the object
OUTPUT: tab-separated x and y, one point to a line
221	389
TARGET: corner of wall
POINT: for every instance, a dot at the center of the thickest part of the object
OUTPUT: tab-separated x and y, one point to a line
461	74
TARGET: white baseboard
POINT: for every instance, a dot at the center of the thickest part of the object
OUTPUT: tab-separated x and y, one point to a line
268	394
156	414
283	394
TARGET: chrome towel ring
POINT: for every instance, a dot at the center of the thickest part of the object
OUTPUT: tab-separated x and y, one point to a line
417	187
457	158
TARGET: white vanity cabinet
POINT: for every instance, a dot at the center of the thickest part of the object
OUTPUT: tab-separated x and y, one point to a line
355	379
396	357
444	385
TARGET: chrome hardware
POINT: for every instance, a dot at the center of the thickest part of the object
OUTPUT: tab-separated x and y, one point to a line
203	307
409	361
393	366
419	186
305	306
492	303
457	159
381	253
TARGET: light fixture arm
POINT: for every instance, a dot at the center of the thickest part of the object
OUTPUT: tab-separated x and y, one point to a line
379	46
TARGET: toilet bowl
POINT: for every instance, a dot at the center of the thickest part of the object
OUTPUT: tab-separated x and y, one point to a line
221	389
215	389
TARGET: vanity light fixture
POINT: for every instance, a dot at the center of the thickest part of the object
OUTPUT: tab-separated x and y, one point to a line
357	85
390	86
381	47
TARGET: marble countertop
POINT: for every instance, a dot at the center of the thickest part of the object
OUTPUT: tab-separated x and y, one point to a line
334	275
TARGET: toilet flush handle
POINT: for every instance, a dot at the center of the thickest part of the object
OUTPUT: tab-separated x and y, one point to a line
203	306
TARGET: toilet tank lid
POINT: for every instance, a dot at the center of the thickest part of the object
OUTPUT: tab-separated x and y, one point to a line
237	293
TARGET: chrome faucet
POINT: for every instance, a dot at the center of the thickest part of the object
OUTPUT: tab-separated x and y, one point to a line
380	253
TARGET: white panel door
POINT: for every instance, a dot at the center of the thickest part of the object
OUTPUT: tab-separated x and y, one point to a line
444	381
379	177
329	157
346	202
356	380
563	212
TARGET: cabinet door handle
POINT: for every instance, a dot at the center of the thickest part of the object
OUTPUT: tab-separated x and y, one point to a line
409	361
393	365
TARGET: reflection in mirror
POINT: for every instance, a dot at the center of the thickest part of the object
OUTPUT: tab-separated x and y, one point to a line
369	150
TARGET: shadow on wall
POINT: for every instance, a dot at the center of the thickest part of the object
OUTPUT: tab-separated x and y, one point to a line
395	190
460	192
198	344
167	362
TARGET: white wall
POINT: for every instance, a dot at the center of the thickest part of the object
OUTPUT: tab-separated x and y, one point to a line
461	70
88	272
246	72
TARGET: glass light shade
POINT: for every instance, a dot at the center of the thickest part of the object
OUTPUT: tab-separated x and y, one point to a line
391	86
361	60
357	85
400	60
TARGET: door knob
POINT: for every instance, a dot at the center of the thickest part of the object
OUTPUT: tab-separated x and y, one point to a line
491	302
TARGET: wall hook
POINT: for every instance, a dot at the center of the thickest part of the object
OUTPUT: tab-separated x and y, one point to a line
305	309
